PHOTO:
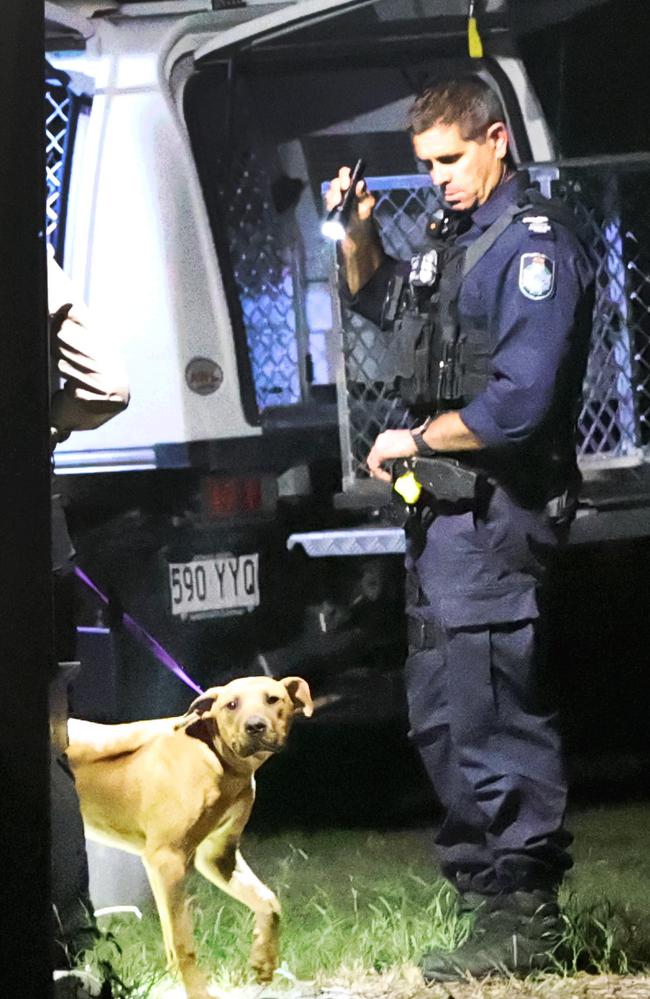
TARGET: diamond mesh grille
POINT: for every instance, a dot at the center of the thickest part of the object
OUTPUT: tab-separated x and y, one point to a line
264	250
613	210
57	114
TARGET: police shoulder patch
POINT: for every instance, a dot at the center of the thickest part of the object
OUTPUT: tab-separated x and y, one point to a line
536	276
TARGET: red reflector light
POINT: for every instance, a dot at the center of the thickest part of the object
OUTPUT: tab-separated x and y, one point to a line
251	494
227	497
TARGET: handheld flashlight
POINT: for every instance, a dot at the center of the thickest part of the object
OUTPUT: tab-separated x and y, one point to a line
335	224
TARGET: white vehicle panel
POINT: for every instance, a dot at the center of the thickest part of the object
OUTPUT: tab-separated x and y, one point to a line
139	245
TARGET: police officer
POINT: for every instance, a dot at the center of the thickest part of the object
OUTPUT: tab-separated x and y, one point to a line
510	295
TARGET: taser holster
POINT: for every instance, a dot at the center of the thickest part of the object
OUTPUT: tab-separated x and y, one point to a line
446	479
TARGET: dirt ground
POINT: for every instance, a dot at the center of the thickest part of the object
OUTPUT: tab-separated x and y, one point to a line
579	987
407	984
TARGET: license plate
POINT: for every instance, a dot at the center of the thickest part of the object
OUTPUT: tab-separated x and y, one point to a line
218	583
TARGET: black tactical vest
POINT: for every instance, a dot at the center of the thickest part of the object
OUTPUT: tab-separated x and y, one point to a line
440	362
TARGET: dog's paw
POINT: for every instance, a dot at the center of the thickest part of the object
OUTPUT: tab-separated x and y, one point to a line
196	985
204	992
264	952
263	967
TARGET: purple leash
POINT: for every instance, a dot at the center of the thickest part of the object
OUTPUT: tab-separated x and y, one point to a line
135	629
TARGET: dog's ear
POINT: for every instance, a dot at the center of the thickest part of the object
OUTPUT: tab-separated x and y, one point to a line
203	703
199	707
298	690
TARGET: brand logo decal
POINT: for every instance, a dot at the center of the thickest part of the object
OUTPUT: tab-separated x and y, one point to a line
203	375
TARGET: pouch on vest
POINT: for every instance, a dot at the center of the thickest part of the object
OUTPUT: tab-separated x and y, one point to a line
414	378
428	371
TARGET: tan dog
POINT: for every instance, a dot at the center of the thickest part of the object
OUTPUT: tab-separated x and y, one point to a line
179	791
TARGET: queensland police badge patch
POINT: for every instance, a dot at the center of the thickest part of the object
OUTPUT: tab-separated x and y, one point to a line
536	276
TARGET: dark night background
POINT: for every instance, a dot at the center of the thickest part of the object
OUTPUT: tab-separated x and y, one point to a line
592	76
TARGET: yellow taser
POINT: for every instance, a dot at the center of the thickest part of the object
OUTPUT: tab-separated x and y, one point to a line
408	487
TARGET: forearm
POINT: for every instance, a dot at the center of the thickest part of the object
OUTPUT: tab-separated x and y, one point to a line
447	432
361	254
69	412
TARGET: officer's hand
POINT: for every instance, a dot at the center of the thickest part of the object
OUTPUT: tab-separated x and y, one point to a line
364	201
389	445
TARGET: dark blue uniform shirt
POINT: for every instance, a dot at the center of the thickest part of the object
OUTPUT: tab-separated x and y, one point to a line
533	289
532	294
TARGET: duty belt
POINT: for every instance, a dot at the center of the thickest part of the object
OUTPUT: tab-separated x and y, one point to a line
448	480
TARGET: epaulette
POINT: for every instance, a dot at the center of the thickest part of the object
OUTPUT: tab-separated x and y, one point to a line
538	225
538	212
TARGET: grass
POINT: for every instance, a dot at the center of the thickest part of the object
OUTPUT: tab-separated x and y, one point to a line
358	902
607	899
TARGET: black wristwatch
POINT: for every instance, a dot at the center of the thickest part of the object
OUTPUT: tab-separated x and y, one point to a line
424	451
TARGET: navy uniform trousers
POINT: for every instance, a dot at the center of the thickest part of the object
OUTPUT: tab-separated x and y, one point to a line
73	928
478	715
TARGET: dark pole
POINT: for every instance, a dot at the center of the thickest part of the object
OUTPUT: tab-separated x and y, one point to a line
25	568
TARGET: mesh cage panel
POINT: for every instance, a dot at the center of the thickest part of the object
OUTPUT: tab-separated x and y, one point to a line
265	252
371	402
57	119
613	211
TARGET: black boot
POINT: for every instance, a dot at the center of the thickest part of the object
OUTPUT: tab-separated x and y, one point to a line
513	934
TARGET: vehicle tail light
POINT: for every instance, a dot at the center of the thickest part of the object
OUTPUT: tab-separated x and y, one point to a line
231	496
